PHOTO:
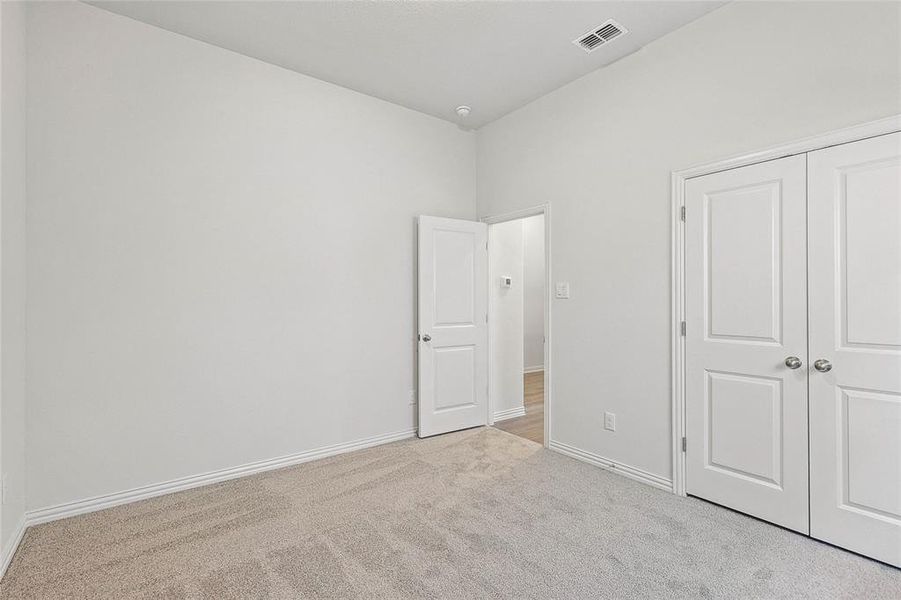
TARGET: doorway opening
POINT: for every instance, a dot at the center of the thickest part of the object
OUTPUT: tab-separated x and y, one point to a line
517	328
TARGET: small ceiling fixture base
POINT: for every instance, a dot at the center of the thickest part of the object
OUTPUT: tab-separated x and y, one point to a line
463	111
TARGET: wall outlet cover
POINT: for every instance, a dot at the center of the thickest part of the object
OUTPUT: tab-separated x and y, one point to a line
561	289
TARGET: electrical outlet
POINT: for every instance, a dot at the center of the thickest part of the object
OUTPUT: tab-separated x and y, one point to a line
412	397
609	421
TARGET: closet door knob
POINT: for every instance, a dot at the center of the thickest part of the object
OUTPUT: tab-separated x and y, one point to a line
793	362
426	338
822	365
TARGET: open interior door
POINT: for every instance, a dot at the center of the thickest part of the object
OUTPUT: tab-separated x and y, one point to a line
453	325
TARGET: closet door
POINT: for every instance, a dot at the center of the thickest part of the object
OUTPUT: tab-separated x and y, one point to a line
746	340
855	341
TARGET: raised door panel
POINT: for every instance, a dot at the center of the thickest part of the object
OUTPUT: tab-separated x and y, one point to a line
869	232
743	246
743	435
869	443
455	378
454	278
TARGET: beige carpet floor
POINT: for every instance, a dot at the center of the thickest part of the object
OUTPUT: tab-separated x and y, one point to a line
474	514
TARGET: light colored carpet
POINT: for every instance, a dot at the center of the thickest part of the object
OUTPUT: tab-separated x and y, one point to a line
474	514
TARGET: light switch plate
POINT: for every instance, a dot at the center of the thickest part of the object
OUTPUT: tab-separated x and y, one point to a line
561	290
609	421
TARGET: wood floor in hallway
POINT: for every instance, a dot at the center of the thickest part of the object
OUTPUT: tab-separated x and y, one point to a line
531	424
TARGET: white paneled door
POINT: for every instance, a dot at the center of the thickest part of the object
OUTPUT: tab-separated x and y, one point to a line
855	343
746	340
453	328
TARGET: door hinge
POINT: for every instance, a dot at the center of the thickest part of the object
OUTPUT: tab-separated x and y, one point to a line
684	444
486	317
683	213
683	328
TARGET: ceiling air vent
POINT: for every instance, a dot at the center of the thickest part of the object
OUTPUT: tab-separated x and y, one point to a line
600	35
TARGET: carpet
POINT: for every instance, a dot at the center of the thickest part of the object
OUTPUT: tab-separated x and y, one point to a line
473	514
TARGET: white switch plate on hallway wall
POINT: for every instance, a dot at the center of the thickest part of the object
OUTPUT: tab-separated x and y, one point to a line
610	421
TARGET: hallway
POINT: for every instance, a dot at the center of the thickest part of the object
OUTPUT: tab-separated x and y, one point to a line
531	424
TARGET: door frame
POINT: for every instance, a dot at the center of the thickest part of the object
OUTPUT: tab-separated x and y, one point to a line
542	209
677	285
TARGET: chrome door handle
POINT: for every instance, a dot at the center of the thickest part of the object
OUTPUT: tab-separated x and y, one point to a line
793	362
822	365
426	338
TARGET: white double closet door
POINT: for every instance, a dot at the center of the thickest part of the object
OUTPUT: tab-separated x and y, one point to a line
793	343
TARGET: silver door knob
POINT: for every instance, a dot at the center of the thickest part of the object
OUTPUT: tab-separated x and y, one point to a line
793	362
822	365
426	338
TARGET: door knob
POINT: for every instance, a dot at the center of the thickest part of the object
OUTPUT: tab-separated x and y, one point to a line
822	365
793	362
426	338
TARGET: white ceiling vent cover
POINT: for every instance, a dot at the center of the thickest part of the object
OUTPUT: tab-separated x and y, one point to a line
600	35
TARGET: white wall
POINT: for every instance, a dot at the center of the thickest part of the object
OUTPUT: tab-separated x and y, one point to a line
533	292
220	254
601	150
12	270
505	257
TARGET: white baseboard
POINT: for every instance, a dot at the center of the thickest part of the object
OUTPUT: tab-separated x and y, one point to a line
510	413
613	466
80	507
535	369
7	553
